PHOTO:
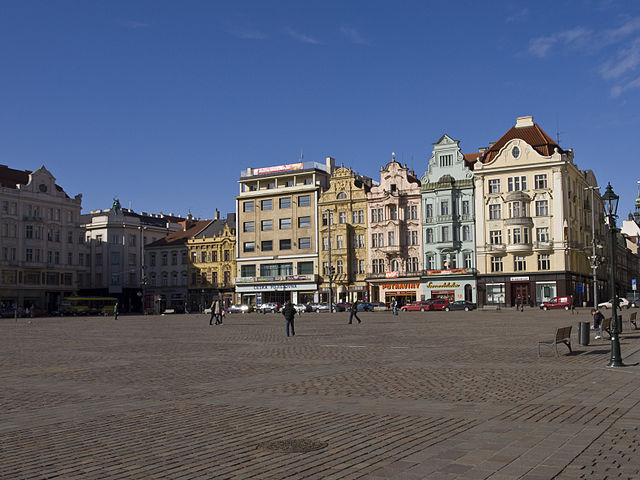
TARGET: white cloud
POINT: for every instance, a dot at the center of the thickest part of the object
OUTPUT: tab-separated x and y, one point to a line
618	90
301	37
629	27
574	38
517	15
627	59
354	36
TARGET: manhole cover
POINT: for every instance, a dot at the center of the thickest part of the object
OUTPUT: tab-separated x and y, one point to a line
293	445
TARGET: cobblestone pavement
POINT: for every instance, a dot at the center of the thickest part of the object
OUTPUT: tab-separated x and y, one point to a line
424	395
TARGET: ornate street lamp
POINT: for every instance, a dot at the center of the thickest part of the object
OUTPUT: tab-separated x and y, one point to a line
610	200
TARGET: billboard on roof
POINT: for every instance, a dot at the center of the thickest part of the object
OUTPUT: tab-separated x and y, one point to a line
278	168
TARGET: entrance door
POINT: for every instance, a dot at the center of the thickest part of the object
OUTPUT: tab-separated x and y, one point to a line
519	293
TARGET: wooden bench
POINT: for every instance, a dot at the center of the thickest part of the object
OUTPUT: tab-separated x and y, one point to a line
563	335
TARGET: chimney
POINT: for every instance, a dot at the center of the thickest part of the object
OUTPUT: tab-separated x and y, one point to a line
217	215
331	164
522	122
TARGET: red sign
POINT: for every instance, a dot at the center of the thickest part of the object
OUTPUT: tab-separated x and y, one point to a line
391	275
447	272
277	168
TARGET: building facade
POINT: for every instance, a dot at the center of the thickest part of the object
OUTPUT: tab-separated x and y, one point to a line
42	248
533	220
277	232
116	239
448	227
395	249
167	268
212	267
343	210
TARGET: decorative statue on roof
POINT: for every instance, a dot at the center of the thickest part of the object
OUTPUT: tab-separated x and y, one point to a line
116	208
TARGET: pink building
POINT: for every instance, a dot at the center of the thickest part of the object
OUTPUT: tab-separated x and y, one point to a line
395	246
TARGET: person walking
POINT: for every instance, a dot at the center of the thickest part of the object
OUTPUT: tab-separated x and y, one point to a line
115	311
597	321
289	313
354	312
394	306
214	306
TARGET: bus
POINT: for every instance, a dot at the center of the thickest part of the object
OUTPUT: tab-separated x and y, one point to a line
87	305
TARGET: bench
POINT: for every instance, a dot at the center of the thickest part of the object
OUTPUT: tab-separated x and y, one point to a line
169	310
632	320
563	335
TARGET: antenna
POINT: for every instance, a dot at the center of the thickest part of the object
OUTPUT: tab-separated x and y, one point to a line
558	132
301	155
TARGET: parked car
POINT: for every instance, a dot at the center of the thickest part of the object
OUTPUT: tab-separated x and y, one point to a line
342	307
460	305
320	307
300	307
557	302
379	307
239	308
439	304
365	307
421	305
623	303
269	307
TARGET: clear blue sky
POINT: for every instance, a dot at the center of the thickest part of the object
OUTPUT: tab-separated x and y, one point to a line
162	103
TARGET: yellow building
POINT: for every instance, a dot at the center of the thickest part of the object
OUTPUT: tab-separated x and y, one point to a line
343	209
212	263
533	220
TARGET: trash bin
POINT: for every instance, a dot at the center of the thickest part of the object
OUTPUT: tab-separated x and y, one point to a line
583	333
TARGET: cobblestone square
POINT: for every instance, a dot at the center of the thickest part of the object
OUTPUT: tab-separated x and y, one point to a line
441	395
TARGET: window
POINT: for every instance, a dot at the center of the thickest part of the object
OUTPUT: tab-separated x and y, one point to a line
516	184
544	262
271	185
517	236
394	266
341	196
285	224
414	237
28	257
466	209
431	262
495	212
468	260
304	200
519	263
445	234
325	268
466	233
391	238
248	270
115	258
304	243
542	234
413	212
393	213
495	237
428	235
247	206
517	209
248	227
542	208
308	181
374	215
496	264
214	256
360	241
304	222
285	244
266	245
327	219
428	208
494	185
540	181
339	241
174	258
132	240
266	225
288	183
285	202
446	160
266	204
444	207
305	268
340	269
249	246
274	269
342	217
28	231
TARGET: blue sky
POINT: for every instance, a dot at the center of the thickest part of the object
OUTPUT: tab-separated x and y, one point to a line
163	103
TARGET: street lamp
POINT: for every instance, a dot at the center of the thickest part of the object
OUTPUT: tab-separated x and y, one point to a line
594	258
328	212
610	200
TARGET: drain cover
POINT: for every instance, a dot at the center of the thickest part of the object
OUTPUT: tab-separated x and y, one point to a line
293	445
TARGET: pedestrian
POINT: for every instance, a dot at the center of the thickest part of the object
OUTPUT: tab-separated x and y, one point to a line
213	306
115	311
289	313
597	321
223	312
394	306
354	312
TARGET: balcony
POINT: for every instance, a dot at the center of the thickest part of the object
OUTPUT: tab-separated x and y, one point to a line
445	245
527	221
496	247
543	246
520	248
391	249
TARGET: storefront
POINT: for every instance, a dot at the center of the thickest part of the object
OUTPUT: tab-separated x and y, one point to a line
530	289
293	288
403	291
453	284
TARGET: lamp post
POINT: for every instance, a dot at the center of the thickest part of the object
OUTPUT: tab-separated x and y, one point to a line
610	200
594	258
328	213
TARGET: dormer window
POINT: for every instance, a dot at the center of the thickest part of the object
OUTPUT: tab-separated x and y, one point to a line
394	188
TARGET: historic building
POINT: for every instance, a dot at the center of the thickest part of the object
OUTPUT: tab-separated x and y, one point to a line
42	251
343	209
448	232
116	238
395	249
212	267
533	220
167	268
277	232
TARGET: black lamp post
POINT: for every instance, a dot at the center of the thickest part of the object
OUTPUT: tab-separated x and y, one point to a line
610	200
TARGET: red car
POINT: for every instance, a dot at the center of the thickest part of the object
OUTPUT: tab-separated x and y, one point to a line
439	304
421	306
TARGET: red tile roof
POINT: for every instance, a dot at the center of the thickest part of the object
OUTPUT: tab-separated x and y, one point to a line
181	236
10	178
533	135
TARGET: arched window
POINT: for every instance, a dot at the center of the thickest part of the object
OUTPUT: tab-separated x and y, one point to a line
342	195
394	265
340	267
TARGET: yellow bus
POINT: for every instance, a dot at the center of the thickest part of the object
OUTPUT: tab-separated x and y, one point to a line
87	305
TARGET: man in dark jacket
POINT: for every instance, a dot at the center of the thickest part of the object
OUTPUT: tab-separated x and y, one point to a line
354	312
289	313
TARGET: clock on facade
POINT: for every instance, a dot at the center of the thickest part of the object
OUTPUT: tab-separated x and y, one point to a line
42	187
515	151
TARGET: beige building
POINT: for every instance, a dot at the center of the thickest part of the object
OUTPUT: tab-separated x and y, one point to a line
343	209
533	220
277	232
212	267
43	256
395	226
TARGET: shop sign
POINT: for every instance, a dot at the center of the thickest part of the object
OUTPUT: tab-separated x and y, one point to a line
298	278
519	279
277	168
391	275
442	285
244	279
357	288
400	286
447	272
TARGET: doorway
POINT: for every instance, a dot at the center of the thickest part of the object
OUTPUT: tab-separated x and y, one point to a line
520	293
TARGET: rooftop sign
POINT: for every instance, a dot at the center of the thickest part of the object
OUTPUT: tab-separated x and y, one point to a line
278	168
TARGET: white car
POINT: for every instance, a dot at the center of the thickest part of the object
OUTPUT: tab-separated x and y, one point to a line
624	303
300	308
